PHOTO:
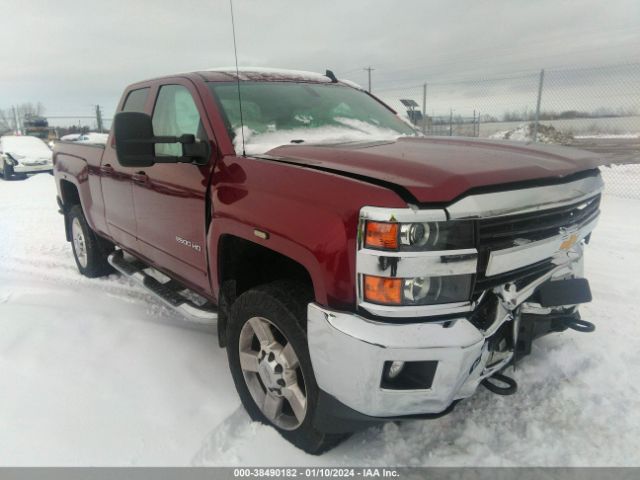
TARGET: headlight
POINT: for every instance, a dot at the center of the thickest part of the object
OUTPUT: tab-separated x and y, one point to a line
419	236
10	159
433	290
417	291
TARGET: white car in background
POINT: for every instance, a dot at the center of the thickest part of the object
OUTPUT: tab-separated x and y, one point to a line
24	154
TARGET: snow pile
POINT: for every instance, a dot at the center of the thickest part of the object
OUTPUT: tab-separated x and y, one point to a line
524	133
352	131
96	372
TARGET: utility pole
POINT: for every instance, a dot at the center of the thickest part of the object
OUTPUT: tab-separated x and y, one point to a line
474	122
451	122
16	120
99	119
369	70
535	126
424	109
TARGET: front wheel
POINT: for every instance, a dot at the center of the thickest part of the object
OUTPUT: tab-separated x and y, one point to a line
270	363
7	170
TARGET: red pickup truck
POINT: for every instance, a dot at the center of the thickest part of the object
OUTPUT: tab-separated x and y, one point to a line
356	270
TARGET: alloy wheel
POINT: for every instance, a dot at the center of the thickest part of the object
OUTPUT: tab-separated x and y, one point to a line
79	243
272	372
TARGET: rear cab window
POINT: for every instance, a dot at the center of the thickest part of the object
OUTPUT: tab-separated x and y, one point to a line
136	100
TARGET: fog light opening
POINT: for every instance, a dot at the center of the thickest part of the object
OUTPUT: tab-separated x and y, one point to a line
394	369
401	375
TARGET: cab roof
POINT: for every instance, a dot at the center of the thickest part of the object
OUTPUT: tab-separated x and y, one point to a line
253	74
258	74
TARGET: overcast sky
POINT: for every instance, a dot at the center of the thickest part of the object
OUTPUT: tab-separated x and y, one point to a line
72	54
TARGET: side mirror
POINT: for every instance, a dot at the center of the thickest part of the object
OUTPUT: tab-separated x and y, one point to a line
135	143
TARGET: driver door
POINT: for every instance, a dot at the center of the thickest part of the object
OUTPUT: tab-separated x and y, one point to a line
170	199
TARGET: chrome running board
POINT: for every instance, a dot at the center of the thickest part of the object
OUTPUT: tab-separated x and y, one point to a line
169	292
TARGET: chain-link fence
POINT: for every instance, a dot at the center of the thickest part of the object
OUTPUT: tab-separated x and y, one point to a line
575	102
30	119
596	109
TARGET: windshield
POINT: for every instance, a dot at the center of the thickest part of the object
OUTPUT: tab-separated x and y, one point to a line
25	145
280	113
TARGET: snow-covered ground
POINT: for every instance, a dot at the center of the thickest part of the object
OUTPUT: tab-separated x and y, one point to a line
609	135
549	134
575	126
95	372
525	132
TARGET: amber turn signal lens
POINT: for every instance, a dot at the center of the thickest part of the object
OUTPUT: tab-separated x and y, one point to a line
382	235
387	291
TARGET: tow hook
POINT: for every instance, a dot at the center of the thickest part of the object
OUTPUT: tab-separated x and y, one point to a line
510	386
578	324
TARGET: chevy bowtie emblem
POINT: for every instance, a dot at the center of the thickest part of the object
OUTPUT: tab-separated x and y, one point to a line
569	242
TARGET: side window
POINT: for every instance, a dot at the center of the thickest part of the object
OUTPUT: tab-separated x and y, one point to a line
175	114
135	100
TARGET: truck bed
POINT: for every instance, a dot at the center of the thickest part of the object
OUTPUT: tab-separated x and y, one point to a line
91	152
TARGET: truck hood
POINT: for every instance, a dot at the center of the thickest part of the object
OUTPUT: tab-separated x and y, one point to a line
439	169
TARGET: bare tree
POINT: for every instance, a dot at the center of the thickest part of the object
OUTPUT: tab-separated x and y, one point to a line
30	110
6	121
23	111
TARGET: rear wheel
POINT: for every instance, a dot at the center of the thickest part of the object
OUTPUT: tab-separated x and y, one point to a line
89	250
270	363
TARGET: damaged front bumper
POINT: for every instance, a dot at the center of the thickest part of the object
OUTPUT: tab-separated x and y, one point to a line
389	360
446	359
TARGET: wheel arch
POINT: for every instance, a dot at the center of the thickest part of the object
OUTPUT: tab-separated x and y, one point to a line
243	264
69	197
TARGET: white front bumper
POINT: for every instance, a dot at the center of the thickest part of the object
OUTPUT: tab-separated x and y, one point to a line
26	168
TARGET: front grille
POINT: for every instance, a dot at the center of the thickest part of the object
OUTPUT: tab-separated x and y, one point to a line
520	277
505	232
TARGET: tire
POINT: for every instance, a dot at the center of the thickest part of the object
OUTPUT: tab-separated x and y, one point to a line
89	251
7	170
276	310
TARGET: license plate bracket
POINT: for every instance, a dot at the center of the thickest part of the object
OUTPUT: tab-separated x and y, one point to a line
564	292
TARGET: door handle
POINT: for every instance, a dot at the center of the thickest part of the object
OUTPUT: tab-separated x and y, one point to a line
106	169
140	177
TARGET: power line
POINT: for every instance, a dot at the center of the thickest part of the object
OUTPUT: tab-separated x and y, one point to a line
529	74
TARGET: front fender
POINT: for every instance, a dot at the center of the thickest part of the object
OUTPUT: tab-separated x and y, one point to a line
310	216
